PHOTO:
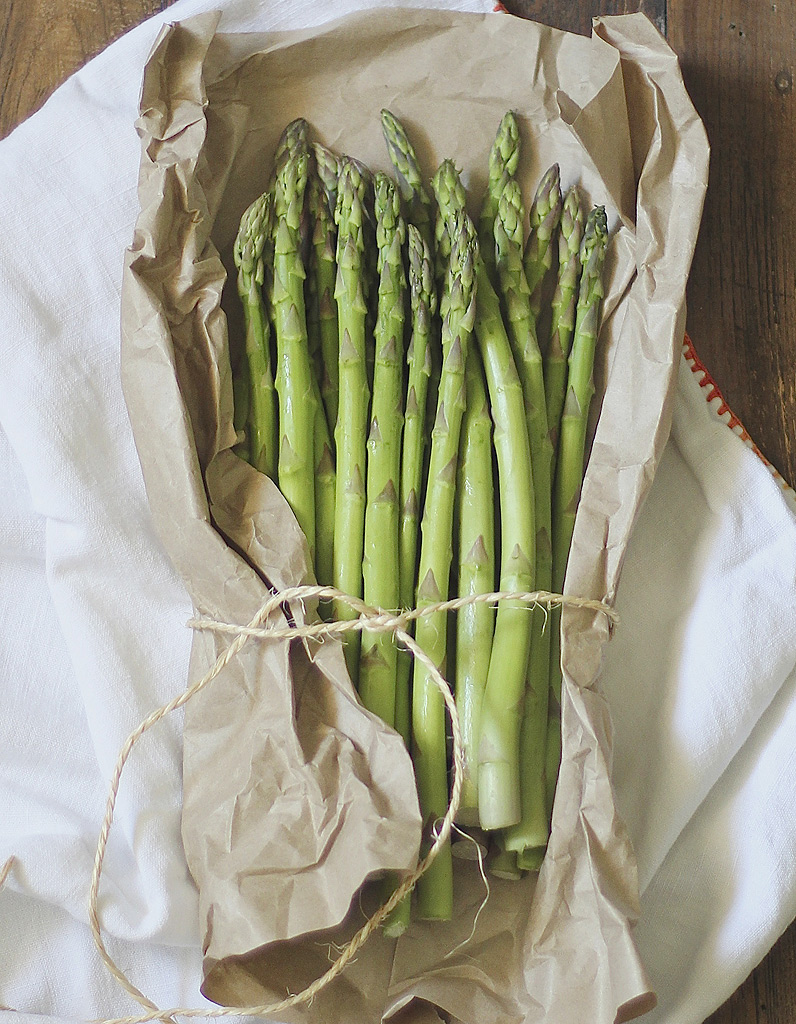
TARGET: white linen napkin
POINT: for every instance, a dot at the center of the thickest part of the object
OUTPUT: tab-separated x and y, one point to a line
702	686
92	618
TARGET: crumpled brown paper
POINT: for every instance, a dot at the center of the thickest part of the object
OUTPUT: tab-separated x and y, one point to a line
293	793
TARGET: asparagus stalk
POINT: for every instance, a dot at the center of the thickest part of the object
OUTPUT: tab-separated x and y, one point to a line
503	159
352	420
475	623
240	395
532	828
323	316
503	862
421	213
457	307
381	566
325	487
327	164
441	250
380	569
530	859
410	177
544	219
294	137
313	201
440	256
419	360
565	303
296	468
571	451
257	224
501	712
369	270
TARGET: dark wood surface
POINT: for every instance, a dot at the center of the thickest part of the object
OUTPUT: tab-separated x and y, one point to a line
738	59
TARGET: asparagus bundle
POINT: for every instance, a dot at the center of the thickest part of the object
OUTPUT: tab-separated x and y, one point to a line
343	428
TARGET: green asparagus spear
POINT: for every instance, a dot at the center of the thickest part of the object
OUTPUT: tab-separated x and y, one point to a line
475	624
441	250
294	137
352	420
420	212
410	177
532	828
325	486
530	859
255	226
369	270
296	470
380	569
457	307
545	215
565	302
502	863
327	164
501	712
503	159
571	451
314	200
423	307
322	311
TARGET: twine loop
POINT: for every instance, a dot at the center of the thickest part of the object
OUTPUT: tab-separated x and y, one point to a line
261	628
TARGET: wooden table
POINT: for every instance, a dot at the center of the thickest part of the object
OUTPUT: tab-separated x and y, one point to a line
738	60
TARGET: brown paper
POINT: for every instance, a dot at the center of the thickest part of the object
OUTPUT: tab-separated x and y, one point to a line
293	793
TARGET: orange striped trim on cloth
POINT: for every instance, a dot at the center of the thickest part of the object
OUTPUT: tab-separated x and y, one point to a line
723	412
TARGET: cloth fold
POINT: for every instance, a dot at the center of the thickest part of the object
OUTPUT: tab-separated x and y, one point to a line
700	676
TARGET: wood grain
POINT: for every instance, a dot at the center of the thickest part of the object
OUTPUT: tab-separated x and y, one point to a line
738	62
576	16
43	41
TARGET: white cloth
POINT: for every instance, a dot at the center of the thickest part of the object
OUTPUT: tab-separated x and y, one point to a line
92	618
702	687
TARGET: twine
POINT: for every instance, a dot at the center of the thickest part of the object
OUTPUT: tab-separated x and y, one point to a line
372	619
5	871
